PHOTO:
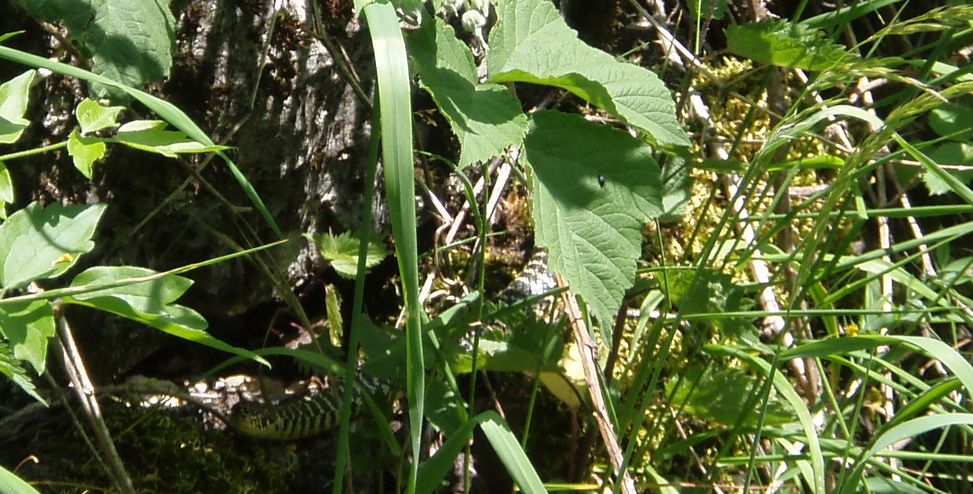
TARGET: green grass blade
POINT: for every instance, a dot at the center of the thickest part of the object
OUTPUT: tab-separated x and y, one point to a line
356	312
12	484
902	431
395	103
502	440
507	447
797	404
169	112
927	399
957	186
75	290
434	470
936	349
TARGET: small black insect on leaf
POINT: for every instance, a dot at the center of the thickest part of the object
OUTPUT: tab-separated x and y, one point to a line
601	181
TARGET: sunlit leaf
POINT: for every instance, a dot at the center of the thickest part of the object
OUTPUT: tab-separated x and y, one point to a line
13	104
149	303
84	152
342	251
92	116
486	118
27	326
152	136
43	242
531	43
593	188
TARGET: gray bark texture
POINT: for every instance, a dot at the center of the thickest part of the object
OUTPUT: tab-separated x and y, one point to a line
302	145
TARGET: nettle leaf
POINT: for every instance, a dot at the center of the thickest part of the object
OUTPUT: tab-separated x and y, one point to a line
531	43
485	117
593	188
130	41
147	302
342	251
27	327
85	151
43	242
10	367
786	44
13	104
152	136
92	116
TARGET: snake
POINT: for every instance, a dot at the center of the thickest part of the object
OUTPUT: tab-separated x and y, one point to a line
308	415
291	419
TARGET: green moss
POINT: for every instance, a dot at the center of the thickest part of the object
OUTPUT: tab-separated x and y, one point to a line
163	451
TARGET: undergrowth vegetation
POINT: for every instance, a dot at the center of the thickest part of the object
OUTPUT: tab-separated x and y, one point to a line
757	226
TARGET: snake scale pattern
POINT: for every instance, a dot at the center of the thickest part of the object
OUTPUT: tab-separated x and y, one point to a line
288	420
312	414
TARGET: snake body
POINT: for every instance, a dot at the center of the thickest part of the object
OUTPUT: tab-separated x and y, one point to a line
312	414
290	419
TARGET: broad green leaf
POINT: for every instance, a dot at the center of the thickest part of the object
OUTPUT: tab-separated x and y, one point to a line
152	136
149	303
12	368
130	41
6	185
93	117
85	151
485	117
342	251
136	126
592	190
443	406
43	242
531	43
785	44
954	119
12	484
707	291
13	104
522	346
951	153
950	181
27	327
717	395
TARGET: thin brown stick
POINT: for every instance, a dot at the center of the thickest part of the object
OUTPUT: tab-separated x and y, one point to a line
85	391
589	358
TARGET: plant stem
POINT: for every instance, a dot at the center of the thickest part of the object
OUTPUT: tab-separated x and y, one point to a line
31	152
